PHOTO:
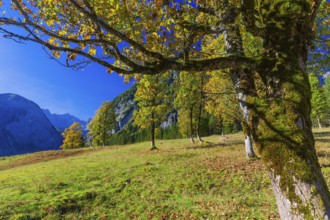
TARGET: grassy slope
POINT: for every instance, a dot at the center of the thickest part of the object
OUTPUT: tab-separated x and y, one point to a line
178	181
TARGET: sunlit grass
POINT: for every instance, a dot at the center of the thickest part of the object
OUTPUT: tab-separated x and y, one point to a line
180	180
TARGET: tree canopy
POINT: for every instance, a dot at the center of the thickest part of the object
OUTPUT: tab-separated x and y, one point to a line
104	31
73	137
152	104
103	124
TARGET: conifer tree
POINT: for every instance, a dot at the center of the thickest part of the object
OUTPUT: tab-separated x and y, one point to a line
73	137
102	126
152	104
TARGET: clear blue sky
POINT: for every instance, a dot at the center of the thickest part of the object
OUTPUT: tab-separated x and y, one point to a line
26	70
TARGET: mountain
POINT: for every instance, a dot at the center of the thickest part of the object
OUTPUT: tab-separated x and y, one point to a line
124	107
61	122
24	128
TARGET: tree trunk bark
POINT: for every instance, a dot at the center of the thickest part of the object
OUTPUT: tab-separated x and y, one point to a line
198	124
248	148
279	112
153	145
319	122
191	125
200	107
242	79
283	128
286	144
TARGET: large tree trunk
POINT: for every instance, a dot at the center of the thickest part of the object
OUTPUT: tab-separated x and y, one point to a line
242	80
279	112
285	141
286	144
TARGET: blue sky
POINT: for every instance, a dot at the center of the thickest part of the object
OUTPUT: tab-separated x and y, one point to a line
26	70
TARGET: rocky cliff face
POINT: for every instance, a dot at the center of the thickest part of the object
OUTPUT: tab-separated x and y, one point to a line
61	122
24	128
124	107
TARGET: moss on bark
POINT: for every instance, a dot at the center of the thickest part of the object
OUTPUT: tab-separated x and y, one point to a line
281	110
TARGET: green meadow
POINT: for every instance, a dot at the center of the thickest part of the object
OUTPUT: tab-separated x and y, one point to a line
212	180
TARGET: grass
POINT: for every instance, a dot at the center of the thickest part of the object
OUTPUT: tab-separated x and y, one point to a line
178	181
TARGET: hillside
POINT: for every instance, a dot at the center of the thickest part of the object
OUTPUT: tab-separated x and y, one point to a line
24	128
180	180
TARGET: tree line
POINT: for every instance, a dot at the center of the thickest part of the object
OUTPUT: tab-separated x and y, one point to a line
196	97
201	105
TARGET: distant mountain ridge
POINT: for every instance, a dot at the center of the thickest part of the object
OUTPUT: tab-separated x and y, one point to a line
24	128
63	121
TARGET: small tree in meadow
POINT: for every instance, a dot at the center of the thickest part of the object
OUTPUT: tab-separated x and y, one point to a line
152	106
102	125
73	137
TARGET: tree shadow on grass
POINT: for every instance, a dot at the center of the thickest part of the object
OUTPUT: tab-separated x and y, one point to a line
321	134
324	140
209	145
325	165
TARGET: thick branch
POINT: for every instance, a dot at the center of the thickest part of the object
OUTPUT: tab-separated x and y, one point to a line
104	25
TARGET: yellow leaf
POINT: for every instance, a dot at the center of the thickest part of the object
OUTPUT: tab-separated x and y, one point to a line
72	56
50	22
92	51
56	54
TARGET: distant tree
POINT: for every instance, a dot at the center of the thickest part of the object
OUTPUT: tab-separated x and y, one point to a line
73	137
221	98
101	127
222	102
327	89
189	103
152	104
320	107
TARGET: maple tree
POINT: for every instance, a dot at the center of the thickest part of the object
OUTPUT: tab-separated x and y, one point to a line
151	37
152	104
221	101
188	102
103	124
73	137
221	98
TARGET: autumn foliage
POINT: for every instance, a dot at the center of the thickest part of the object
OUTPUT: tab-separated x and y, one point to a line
73	137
